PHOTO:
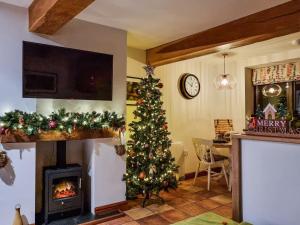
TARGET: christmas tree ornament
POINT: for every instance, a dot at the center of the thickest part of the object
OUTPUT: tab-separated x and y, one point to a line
52	124
165	126
21	120
142	175
139	101
152	169
160	85
2	130
166	183
150	155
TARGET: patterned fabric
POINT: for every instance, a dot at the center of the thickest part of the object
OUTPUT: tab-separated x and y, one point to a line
208	219
275	74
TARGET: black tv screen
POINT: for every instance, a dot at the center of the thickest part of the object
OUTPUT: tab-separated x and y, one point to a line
64	73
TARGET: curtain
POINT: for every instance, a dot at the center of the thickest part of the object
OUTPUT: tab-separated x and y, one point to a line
275	74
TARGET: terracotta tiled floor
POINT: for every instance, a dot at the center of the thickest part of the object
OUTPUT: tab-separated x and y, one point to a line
187	201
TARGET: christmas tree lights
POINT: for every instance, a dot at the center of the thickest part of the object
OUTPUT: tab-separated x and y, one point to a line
150	166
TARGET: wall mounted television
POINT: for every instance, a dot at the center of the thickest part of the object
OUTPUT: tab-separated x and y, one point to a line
63	73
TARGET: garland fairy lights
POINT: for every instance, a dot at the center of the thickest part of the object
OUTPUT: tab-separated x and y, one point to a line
35	123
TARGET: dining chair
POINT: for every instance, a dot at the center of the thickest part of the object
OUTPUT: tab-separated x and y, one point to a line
208	160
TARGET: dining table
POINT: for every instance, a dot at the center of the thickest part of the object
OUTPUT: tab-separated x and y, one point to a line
227	145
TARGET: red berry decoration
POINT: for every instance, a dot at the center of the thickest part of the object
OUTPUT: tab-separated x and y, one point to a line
52	124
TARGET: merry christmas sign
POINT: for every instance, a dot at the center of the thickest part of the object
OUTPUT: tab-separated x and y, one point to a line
266	123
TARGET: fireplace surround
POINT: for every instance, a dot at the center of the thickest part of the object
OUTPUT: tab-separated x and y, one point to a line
62	187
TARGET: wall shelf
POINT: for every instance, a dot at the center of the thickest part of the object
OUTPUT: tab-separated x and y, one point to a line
19	137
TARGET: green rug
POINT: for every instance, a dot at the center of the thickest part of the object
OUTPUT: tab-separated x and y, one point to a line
208	219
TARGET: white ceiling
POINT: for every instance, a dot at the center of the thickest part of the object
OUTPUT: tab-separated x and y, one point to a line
276	50
153	22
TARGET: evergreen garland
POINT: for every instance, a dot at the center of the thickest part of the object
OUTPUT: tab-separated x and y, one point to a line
34	123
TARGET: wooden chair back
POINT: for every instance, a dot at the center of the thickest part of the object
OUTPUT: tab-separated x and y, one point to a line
203	149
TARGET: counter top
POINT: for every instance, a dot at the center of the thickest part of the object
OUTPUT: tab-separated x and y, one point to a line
267	138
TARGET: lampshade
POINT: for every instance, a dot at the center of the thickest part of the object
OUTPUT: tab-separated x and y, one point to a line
224	81
271	90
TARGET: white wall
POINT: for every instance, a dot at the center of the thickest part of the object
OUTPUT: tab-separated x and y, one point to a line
270	182
76	34
194	118
105	172
17	183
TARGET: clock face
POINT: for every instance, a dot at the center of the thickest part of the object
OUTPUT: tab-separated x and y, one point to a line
189	85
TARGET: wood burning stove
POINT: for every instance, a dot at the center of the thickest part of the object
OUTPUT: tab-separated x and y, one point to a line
62	186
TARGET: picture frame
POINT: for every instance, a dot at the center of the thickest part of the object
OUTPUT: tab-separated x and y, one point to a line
132	84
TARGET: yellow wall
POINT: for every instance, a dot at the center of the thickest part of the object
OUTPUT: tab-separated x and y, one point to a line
194	118
135	62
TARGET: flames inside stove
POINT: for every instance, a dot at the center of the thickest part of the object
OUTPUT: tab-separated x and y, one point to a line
64	189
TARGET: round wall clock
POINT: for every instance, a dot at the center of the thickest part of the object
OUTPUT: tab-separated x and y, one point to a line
189	85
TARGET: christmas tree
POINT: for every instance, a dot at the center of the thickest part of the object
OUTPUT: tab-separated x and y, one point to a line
150	166
282	111
259	112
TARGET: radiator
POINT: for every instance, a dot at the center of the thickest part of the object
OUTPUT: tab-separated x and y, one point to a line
177	151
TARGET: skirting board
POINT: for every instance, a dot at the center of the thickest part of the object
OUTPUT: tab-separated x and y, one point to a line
202	173
110	207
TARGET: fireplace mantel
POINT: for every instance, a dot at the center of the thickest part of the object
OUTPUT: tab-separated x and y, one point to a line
20	137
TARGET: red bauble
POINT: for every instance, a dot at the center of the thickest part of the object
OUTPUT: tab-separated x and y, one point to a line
165	126
140	101
2	130
142	175
52	124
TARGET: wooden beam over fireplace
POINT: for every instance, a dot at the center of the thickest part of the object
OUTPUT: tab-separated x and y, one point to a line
48	16
274	22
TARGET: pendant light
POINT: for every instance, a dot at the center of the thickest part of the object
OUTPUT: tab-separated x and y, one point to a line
271	90
224	81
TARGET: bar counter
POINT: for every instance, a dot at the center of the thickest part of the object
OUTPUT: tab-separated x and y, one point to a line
266	179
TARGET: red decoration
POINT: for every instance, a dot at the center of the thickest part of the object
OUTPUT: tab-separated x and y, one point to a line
2	130
52	124
165	126
140	101
142	175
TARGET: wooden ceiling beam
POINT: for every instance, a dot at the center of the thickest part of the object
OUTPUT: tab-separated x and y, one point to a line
274	22
48	16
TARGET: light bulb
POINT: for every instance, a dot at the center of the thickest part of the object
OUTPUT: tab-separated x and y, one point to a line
224	81
271	90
